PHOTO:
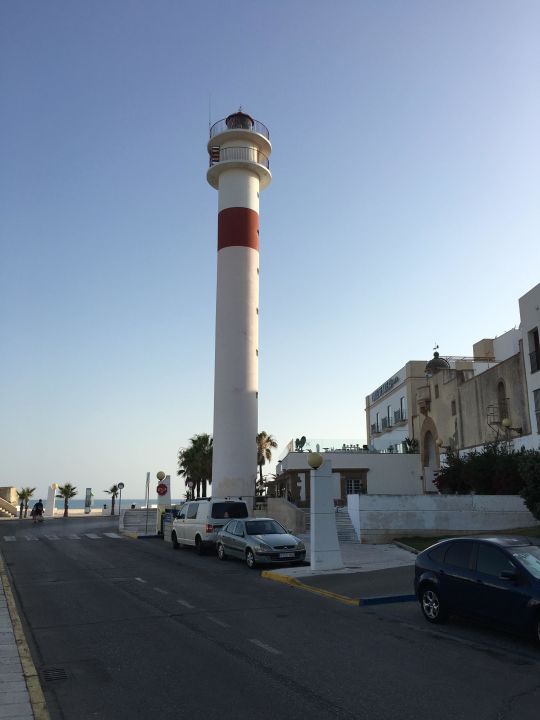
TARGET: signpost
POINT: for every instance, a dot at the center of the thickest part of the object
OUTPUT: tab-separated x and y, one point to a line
88	501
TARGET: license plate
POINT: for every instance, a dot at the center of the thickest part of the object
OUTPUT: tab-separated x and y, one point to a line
286	555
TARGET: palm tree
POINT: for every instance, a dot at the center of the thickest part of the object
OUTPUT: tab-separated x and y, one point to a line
25	494
195	462
265	444
114	492
66	492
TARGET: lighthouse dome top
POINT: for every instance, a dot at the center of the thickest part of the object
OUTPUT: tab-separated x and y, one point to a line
239	121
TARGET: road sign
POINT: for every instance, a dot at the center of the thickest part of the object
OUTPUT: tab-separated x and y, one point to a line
161	489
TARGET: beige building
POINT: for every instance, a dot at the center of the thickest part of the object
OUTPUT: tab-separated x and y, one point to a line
468	402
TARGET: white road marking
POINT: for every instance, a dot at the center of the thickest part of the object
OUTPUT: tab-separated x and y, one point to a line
265	647
74	537
9	538
113	535
217	622
30	538
52	537
93	536
140	580
159	590
185	604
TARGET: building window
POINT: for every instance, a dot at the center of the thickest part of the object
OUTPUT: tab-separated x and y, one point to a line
536	395
403	408
534	350
353	486
389	414
436	391
453	406
502	401
377	423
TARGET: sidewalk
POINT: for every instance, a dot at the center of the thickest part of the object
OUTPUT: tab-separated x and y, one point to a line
14	696
373	574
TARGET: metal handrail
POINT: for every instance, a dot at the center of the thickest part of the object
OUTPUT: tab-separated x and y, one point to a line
256	126
242	154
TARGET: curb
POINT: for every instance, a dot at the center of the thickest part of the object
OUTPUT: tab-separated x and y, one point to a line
386	599
293	582
358	602
37	699
405	547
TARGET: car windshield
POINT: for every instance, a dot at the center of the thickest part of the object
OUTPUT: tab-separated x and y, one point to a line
222	510
264	527
529	557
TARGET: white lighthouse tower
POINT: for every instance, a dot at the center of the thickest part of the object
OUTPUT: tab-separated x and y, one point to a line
239	148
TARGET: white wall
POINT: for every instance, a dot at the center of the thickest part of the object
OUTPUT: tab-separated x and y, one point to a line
529	310
506	345
387	473
379	518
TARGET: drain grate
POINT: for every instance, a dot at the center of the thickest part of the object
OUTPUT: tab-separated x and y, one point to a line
54	674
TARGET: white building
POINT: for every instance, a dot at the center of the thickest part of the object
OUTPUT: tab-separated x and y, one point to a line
529	311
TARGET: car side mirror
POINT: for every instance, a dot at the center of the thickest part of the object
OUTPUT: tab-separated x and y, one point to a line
512	575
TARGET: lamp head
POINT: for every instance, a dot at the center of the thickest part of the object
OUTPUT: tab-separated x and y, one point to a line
160	475
506	422
315	460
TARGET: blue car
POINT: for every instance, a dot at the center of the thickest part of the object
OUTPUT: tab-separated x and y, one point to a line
496	579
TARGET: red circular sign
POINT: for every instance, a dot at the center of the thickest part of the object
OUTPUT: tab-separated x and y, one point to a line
161	489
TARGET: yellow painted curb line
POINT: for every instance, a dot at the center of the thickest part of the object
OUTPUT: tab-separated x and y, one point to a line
37	699
269	575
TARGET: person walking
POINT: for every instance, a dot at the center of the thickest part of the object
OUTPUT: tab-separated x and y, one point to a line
37	512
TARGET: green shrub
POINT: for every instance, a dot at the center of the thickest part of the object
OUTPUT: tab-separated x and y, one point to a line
494	470
529	465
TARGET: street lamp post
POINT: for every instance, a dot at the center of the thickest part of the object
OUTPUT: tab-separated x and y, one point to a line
120	488
190	485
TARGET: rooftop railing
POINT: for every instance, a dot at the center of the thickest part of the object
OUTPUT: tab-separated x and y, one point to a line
242	154
239	123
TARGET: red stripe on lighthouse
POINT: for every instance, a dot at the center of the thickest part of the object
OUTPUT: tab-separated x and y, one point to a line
238	226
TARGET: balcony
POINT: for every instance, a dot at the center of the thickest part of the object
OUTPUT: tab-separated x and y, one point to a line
386	423
400	416
238	154
239	121
423	399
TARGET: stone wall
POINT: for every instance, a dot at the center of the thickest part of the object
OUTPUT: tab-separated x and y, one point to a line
380	518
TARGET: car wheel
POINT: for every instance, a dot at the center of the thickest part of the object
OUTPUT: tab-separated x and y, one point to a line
174	541
430	602
221	552
199	545
250	559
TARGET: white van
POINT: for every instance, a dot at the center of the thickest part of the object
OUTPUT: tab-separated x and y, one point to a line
199	521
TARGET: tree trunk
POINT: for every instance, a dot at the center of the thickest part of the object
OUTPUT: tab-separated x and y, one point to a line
204	488
66	507
112	504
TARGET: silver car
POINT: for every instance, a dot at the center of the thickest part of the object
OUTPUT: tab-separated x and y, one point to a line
259	541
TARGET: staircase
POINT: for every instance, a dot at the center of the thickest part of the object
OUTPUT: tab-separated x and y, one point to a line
345	528
139	522
7	510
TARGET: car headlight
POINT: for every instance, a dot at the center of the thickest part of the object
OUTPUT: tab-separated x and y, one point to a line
300	546
261	547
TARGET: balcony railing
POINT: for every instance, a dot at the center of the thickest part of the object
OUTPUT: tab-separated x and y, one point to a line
400	416
244	123
535	361
242	154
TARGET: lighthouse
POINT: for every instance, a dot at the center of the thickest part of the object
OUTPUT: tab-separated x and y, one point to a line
239	149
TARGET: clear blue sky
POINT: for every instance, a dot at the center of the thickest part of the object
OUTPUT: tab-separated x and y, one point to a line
404	210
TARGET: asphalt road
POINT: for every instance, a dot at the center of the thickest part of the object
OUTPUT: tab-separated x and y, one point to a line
123	628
